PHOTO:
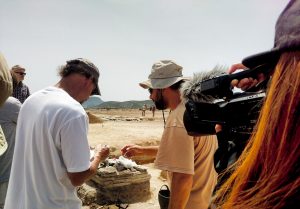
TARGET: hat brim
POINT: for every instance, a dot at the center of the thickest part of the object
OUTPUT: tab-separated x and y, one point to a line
264	58
146	84
161	83
96	91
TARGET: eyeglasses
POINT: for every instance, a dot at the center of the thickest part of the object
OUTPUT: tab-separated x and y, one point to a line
150	90
21	73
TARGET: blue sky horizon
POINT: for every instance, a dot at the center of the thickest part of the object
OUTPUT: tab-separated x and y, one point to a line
124	38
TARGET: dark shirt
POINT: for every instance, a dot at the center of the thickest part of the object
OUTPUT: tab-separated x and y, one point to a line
20	91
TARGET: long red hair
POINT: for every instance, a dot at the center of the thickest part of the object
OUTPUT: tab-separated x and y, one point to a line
267	175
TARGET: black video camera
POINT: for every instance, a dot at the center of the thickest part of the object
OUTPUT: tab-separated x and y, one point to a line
212	101
237	115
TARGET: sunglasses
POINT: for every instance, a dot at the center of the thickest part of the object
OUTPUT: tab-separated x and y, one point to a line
150	90
20	73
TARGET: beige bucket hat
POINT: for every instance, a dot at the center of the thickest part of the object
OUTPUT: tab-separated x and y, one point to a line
164	74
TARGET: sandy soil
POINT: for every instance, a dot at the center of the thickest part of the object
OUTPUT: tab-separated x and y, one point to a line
122	127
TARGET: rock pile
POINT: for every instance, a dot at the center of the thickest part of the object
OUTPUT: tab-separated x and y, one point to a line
117	181
93	118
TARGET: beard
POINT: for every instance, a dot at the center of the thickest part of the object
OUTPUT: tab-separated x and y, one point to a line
160	104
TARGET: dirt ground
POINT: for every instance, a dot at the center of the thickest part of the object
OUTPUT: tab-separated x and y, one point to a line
117	128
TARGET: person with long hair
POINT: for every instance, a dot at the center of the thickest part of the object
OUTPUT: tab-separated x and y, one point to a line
267	174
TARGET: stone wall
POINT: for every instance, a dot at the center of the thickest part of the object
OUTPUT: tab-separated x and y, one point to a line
110	186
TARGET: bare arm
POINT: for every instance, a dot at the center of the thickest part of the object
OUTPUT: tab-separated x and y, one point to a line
136	150
79	178
181	187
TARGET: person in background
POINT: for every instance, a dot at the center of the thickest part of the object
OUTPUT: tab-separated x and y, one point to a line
188	160
144	108
152	108
8	121
52	155
21	90
267	175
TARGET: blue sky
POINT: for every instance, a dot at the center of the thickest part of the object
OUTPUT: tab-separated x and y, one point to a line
125	37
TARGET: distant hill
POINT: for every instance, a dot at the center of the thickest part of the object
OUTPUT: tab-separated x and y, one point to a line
93	101
125	105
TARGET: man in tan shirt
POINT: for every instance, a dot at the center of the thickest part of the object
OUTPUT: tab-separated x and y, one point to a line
188	160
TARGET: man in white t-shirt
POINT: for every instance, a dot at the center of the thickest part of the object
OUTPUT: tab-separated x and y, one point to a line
188	160
52	155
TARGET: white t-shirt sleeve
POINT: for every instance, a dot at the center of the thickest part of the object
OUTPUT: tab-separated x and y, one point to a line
74	145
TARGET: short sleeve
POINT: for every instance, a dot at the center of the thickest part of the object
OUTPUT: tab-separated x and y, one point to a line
14	110
74	145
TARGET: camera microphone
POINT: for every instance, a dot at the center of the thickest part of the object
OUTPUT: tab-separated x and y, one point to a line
193	89
216	84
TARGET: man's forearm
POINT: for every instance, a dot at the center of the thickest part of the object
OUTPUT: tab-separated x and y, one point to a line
181	187
79	178
94	165
150	151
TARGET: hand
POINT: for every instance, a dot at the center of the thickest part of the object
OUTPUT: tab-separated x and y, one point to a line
132	150
218	128
245	83
101	152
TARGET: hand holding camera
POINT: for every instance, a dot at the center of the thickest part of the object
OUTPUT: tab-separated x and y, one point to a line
210	100
245	83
